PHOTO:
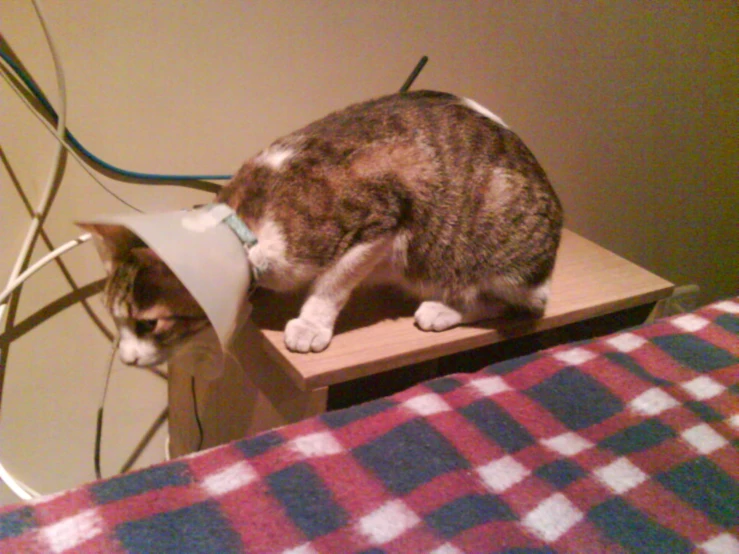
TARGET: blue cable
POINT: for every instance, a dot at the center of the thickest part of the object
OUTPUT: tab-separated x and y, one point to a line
41	97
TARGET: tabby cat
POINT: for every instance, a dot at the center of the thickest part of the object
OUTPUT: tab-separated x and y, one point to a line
425	190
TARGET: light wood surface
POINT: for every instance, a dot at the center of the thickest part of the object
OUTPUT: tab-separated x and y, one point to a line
252	395
376	331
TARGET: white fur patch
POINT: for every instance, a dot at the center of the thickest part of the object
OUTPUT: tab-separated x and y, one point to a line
400	251
118	310
518	294
312	331
332	289
137	351
541	293
269	257
274	156
471	104
500	188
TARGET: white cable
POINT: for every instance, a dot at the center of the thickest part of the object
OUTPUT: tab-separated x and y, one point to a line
51	256
20	489
62	141
18	276
51	184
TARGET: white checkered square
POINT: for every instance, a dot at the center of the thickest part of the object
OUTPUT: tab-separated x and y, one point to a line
626	342
489	386
690	323
703	438
302	549
727	306
567	444
317	444
703	387
427	404
575	356
653	402
721	544
446	549
229	479
73	531
500	475
734	421
388	522
621	476
552	518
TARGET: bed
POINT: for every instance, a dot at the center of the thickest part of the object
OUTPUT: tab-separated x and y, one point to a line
626	443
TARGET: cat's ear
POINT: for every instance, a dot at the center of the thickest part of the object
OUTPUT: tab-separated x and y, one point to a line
154	266
113	242
149	259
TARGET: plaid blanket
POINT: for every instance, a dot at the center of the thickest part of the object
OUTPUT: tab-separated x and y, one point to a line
623	444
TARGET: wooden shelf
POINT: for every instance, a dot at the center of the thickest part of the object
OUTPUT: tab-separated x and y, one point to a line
376	331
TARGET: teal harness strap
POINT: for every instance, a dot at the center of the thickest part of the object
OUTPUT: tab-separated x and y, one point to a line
245	235
242	231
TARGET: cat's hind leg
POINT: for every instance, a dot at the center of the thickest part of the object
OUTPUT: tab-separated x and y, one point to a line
433	315
489	303
313	329
523	299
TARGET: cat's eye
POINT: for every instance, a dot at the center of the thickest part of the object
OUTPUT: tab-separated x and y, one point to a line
145	326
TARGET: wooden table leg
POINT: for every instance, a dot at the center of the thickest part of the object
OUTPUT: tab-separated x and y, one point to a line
251	396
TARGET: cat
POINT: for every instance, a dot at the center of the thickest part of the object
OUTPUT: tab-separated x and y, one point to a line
425	190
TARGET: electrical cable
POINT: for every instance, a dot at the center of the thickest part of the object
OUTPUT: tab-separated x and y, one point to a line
18	279
18	275
20	489
49	191
41	97
196	413
51	186
412	77
100	413
101	408
69	148
51	256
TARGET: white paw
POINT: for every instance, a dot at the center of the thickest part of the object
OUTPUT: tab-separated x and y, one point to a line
302	335
435	316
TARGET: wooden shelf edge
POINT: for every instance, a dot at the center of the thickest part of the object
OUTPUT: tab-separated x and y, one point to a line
453	346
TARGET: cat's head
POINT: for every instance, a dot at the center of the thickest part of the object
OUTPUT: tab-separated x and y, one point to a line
155	314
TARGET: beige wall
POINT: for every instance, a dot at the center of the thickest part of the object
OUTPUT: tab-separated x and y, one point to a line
630	106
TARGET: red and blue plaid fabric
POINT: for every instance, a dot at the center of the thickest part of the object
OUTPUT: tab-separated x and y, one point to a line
623	444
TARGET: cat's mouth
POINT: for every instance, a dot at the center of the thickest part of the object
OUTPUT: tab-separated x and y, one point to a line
152	341
131	356
149	343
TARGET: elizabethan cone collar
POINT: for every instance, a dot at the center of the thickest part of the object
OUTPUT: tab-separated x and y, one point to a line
205	253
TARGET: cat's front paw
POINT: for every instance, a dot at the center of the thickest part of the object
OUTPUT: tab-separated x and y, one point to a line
302	335
435	316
